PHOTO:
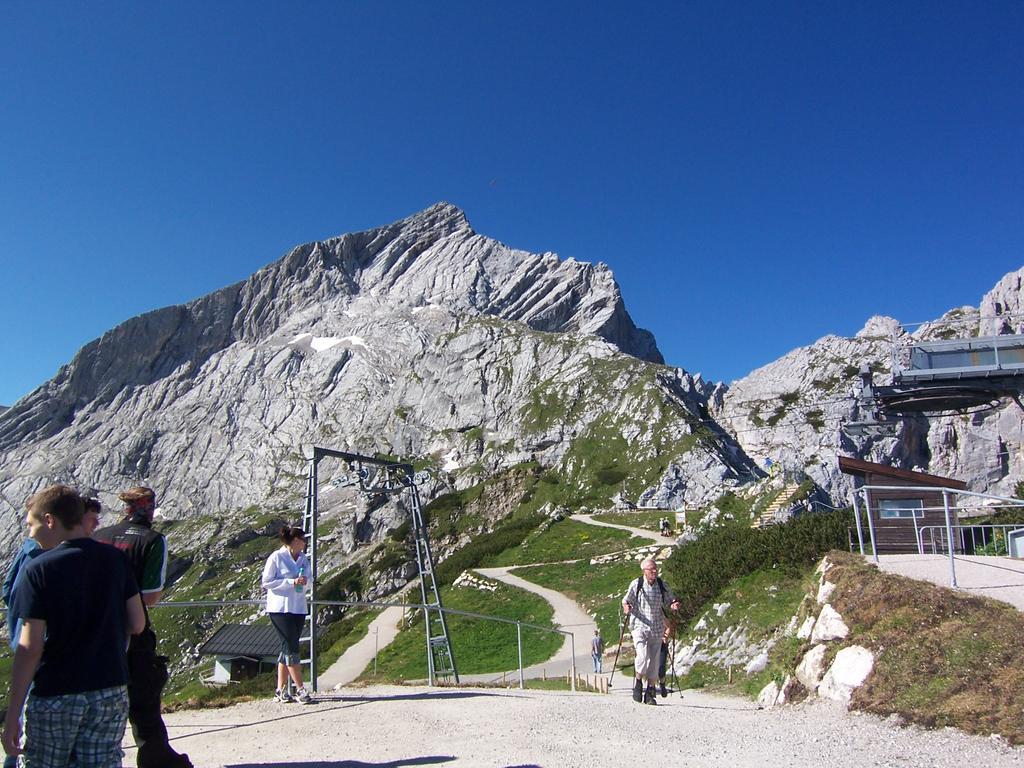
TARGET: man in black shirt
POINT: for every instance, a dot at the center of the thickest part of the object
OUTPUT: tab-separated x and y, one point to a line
147	553
78	602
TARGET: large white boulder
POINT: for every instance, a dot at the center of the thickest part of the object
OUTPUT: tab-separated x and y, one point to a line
825	592
757	664
829	626
806	628
850	669
811	668
768	695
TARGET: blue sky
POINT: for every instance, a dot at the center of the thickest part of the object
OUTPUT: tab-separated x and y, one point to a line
756	174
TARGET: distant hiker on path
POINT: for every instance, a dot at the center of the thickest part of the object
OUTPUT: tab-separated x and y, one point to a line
79	602
284	577
645	603
147	554
597	650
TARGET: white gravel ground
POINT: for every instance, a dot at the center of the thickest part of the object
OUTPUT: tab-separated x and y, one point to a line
392	726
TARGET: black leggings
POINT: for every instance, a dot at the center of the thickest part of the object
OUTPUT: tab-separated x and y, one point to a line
289	628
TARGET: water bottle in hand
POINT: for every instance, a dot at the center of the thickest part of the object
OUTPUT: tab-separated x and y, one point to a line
300	587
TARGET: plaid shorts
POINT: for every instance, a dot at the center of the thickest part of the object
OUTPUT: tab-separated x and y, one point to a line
75	729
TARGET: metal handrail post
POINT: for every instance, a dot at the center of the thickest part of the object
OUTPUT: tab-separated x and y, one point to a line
519	643
430	652
314	480
949	538
572	648
856	517
871	526
920	549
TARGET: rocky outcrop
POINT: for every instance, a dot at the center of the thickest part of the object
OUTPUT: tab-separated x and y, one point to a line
792	410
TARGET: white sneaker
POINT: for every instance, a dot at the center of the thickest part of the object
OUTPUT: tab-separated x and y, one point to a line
283	696
303	697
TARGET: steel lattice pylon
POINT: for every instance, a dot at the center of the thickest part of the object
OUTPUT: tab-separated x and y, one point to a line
375	476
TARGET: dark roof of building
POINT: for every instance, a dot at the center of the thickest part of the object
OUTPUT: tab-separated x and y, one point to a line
861	468
254	641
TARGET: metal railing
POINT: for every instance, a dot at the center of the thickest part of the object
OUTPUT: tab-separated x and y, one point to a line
863	495
314	604
984	539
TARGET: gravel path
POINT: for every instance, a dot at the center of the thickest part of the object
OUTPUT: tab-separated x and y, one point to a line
358	656
567	615
464	728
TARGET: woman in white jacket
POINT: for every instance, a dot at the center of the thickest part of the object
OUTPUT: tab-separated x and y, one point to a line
284	578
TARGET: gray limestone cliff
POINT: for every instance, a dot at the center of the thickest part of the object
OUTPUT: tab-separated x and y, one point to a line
420	338
425	339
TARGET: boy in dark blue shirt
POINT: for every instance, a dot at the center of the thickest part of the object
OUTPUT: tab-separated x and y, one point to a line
78	602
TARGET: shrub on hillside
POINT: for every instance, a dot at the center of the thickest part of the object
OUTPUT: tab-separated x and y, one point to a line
698	571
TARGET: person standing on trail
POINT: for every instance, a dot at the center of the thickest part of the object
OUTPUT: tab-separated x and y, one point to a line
597	650
645	603
285	578
146	550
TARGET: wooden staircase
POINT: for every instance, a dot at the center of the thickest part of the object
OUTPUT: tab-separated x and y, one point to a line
767	516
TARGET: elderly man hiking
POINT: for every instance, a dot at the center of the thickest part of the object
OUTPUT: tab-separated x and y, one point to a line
645	603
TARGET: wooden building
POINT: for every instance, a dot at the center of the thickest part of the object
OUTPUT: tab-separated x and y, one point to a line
897	515
241	651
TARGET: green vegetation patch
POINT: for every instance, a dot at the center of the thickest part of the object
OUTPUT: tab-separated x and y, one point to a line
510	533
479	645
195	695
341	635
565	540
646	520
699	570
763	603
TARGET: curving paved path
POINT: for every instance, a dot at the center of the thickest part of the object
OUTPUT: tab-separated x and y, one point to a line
359	656
568	615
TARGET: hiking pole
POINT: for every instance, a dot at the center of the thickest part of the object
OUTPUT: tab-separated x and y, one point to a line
622	633
675	680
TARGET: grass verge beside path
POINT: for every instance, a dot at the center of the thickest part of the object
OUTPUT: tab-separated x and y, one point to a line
479	645
941	657
564	540
342	635
597	588
646	520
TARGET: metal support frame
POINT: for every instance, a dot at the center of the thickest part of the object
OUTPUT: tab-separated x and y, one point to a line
871	525
375	476
856	517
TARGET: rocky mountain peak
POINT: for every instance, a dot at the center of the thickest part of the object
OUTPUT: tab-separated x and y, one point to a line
1002	308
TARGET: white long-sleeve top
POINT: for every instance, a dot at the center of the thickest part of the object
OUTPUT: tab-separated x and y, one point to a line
279	576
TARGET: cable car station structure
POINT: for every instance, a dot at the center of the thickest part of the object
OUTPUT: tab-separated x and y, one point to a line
945	376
